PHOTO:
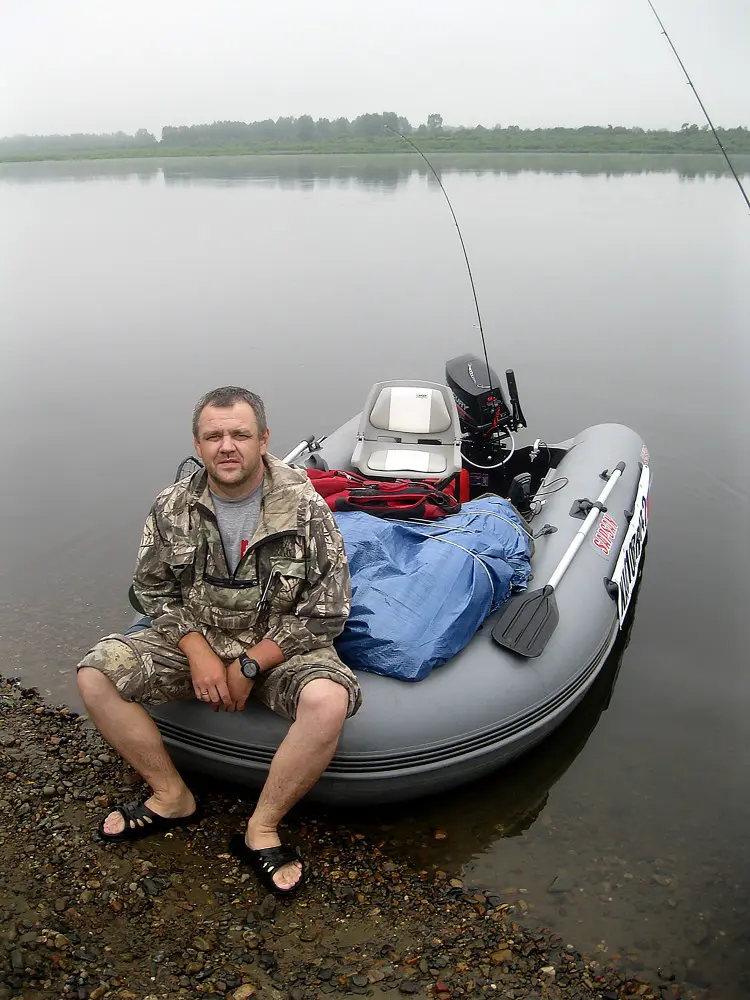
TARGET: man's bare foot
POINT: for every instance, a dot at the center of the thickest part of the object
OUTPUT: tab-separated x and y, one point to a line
257	838
169	808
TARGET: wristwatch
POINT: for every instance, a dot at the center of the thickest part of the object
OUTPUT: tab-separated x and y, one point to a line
249	668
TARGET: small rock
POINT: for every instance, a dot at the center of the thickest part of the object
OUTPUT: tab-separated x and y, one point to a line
84	956
498	957
244	992
407	986
268	907
562	883
200	944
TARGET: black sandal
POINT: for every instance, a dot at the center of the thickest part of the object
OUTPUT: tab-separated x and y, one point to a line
265	862
140	821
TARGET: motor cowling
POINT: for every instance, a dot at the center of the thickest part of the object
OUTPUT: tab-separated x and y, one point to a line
486	413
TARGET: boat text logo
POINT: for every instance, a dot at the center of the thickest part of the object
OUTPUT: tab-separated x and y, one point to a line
606	534
625	573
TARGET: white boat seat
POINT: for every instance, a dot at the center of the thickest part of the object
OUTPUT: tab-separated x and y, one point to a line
409	429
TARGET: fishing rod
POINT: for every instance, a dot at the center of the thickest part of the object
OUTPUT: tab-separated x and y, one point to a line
485	416
436	175
703	107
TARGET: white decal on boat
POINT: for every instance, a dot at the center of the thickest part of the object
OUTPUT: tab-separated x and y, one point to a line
626	568
605	534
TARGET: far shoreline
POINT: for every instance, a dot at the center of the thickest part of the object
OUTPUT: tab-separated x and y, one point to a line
341	151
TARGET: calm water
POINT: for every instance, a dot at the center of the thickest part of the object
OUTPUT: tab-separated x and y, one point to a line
616	287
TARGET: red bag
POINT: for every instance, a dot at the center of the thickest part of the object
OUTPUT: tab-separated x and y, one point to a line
426	499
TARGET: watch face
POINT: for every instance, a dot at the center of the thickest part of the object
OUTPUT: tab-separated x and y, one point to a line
249	668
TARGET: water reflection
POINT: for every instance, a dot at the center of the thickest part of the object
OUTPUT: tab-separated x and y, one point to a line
509	801
382	172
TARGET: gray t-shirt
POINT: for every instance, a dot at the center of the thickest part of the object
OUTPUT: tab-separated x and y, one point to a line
237	520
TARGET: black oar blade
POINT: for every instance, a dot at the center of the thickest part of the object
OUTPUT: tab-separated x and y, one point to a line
527	621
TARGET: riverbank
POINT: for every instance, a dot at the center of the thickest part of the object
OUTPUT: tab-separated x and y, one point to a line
502	142
174	916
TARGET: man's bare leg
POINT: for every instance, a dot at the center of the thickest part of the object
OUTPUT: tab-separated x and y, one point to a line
128	728
301	758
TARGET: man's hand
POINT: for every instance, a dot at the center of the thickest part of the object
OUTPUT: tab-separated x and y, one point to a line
239	686
267	655
208	673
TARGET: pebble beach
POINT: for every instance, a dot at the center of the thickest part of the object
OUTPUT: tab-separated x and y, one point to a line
175	916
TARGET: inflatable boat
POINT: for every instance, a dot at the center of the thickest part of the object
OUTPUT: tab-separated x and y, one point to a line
585	503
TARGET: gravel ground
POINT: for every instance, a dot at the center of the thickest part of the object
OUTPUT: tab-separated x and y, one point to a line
174	916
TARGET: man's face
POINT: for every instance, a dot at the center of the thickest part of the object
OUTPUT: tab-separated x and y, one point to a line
231	448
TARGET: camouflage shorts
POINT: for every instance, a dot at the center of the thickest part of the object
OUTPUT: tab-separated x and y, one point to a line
145	667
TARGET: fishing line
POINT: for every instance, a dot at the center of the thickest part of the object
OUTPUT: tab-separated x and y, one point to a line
703	107
416	148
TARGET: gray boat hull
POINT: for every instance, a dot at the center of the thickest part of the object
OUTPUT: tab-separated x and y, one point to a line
487	705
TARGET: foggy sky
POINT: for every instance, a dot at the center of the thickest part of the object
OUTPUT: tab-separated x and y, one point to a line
106	65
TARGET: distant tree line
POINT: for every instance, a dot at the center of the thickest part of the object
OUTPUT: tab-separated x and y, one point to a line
370	133
80	142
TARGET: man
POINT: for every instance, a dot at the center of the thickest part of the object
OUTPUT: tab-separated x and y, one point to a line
243	572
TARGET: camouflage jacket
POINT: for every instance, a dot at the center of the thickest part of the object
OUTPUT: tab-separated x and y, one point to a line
291	585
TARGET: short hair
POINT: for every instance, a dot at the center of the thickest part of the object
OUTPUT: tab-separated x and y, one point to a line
226	396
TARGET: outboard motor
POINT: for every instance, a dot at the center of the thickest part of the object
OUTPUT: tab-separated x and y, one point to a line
487	414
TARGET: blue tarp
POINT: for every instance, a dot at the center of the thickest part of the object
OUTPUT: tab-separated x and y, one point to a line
421	591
